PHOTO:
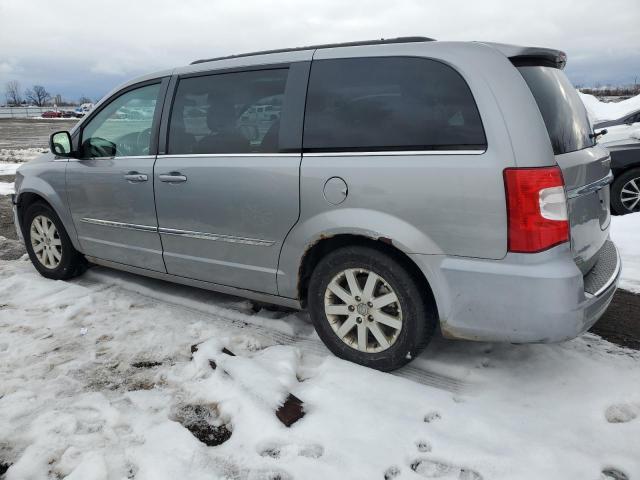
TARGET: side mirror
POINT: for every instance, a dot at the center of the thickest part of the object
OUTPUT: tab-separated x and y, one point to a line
60	144
635	134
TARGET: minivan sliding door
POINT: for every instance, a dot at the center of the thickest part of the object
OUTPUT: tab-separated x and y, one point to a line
227	187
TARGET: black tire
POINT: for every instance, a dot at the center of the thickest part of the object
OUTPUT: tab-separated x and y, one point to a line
418	315
616	191
71	263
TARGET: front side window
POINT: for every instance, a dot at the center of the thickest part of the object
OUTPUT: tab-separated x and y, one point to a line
228	113
389	103
123	127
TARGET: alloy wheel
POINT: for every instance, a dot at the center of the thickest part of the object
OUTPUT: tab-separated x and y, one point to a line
46	242
363	310
630	195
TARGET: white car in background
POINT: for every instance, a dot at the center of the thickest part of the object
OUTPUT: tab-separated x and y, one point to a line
620	129
83	109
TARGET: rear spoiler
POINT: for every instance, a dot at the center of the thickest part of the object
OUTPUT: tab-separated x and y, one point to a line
531	56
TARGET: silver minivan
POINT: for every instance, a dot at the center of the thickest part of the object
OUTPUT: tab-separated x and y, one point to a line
391	187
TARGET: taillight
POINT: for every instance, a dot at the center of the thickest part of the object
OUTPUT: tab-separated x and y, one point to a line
536	209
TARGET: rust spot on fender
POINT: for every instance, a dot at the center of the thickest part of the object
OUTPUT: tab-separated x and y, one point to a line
386	240
300	279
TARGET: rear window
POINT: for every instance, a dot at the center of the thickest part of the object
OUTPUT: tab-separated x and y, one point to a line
563	112
389	103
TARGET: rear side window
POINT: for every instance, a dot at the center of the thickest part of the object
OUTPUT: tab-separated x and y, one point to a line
564	114
389	103
228	113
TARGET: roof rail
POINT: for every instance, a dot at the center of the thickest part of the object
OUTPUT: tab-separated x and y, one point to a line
327	45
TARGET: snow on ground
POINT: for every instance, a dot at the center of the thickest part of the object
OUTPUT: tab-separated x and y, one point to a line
14	155
625	232
6	188
98	383
599	111
8	168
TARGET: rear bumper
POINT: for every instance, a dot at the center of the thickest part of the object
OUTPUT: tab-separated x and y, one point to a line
537	298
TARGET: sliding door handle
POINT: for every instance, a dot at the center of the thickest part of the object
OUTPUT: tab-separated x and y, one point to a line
135	177
172	177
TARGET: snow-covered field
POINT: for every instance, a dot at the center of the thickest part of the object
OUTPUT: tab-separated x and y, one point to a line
8	168
625	232
99	383
599	111
6	188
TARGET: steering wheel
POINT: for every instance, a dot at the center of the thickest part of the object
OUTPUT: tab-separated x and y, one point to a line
143	141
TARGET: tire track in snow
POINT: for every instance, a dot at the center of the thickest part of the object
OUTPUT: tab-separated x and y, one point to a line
99	281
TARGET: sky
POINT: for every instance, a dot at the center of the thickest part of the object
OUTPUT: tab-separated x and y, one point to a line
87	47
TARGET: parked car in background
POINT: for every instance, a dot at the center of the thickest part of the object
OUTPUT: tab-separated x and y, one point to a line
51	114
83	109
68	114
393	191
616	133
625	164
625	121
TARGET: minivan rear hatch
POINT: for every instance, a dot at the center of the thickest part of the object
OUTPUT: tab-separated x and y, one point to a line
585	166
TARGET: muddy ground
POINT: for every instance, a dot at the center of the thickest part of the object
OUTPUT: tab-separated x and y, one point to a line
29	132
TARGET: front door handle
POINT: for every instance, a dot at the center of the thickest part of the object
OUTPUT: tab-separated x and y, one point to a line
135	177
172	177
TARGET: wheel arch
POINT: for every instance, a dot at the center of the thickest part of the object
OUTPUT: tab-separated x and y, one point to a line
326	244
39	191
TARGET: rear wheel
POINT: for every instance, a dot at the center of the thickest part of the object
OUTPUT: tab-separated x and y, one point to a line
367	308
625	192
48	244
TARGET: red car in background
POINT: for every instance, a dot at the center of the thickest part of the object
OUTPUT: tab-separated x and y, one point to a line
51	114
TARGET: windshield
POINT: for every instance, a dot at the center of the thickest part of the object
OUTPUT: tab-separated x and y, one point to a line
563	112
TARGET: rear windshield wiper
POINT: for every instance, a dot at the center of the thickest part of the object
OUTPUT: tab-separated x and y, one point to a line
595	135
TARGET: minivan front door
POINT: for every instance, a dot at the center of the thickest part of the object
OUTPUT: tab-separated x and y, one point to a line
110	185
227	191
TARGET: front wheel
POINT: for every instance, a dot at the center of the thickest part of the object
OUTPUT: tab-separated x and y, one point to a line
48	244
625	192
367	308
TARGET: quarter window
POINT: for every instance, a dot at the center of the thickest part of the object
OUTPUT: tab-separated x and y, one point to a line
389	103
123	127
564	114
228	113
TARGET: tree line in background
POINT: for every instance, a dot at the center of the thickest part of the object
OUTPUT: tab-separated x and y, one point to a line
40	97
36	95
624	91
610	91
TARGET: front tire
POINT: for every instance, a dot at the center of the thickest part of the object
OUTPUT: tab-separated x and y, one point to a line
625	192
48	244
367	308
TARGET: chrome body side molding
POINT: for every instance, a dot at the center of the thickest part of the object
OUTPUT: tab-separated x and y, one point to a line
127	226
591	187
181	233
216	237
